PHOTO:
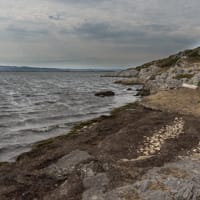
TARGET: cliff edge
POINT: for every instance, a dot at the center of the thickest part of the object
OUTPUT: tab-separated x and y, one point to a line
167	73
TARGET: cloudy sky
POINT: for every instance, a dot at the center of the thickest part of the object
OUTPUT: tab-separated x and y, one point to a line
95	32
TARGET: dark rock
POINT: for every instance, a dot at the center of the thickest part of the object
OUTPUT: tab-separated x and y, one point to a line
143	92
105	93
129	89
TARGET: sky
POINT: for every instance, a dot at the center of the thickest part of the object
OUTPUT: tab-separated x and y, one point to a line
95	33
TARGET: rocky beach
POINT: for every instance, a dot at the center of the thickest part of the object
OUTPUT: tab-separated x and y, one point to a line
148	150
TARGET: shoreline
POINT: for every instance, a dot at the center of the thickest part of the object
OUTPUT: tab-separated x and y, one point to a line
73	127
109	157
53	114
72	131
147	150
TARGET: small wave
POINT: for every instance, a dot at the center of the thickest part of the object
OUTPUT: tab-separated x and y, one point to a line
11	152
5	107
8	115
4	126
13	147
44	102
38	130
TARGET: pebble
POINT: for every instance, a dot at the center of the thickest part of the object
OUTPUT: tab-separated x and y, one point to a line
153	144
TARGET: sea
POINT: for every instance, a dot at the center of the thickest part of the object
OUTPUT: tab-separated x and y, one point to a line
35	106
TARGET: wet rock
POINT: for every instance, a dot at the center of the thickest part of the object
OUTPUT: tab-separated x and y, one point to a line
105	93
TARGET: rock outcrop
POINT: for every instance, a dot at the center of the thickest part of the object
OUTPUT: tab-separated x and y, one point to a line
168	73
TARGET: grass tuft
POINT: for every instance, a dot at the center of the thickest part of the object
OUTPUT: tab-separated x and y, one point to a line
181	76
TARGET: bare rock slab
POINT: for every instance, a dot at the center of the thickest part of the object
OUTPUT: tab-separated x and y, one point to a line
95	186
177	180
68	163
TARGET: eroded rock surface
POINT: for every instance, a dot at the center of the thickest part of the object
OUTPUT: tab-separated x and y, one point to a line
177	180
67	163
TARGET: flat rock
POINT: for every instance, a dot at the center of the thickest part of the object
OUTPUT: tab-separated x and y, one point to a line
127	192
67	163
98	181
95	186
178	180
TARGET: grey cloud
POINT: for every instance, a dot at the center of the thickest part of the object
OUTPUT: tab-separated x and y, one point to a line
57	16
111	31
4	18
105	31
25	32
144	34
81	1
144	39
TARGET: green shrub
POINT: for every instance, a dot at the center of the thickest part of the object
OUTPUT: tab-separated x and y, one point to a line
194	53
181	76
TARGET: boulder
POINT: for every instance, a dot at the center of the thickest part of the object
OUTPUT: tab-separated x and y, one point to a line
105	93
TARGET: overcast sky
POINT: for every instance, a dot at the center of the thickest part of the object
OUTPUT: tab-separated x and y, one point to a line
95	32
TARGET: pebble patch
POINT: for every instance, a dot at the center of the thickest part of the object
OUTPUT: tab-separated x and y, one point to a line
152	145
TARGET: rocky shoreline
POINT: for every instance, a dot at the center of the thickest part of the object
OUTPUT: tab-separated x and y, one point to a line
135	153
165	74
148	150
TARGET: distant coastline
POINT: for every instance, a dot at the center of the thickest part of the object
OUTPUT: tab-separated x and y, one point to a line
43	69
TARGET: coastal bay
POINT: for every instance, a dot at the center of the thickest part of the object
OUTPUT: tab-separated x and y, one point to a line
110	157
149	149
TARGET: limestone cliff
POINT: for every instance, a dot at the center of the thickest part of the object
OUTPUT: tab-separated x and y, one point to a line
168	73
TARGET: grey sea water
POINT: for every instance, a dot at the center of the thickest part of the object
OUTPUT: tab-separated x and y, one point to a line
37	106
